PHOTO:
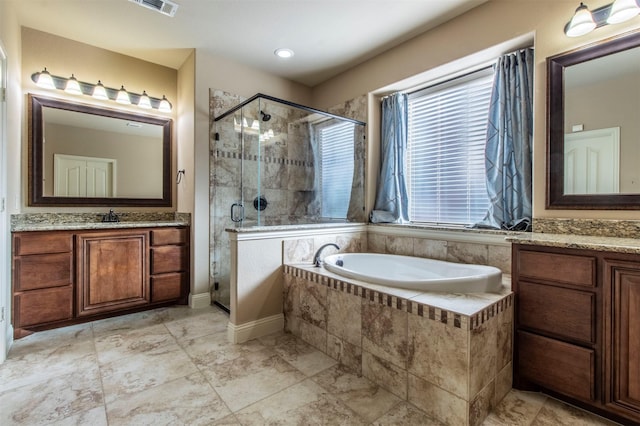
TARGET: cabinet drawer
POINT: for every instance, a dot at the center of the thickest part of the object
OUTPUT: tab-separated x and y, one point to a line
38	243
560	311
161	237
556	365
42	306
560	268
42	271
168	259
166	286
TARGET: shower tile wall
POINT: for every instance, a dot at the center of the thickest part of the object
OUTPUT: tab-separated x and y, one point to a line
283	169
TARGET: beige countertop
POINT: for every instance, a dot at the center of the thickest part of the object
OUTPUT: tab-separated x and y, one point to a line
612	244
94	225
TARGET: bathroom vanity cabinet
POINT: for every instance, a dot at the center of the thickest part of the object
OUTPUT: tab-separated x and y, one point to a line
64	277
577	323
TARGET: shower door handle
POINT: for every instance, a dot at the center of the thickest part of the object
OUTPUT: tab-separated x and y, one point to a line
237	212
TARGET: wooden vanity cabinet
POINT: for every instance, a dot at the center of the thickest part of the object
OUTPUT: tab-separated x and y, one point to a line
577	325
169	264
622	334
42	270
61	278
112	271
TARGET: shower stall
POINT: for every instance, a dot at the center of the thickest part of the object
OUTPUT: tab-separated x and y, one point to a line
276	163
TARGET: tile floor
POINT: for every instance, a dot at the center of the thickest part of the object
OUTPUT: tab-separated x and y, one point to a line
174	366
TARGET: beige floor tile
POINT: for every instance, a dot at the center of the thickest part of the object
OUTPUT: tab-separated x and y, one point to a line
301	355
251	377
556	413
363	396
516	409
176	366
305	403
138	372
405	414
150	340
48	362
193	326
53	400
188	400
126	323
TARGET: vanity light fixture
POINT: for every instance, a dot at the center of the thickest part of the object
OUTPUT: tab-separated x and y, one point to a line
99	92
144	101
585	21
45	80
165	105
73	86
623	10
123	96
283	53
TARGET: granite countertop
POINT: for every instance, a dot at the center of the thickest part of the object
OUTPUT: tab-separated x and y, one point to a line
94	225
78	221
612	244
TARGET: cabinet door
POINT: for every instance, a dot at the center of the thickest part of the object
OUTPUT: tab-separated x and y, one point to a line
623	337
112	271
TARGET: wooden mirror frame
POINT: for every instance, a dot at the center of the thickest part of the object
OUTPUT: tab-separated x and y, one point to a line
36	151
556	198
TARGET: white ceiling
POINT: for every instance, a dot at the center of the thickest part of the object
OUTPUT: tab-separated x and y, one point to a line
327	36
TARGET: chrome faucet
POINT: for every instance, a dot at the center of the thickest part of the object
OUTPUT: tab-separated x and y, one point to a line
110	217
316	258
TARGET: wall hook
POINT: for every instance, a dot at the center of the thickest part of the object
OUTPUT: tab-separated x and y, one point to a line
179	176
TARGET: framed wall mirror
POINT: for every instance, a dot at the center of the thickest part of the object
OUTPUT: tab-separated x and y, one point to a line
593	126
81	155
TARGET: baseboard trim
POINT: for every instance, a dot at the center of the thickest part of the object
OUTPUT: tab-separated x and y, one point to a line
254	329
198	301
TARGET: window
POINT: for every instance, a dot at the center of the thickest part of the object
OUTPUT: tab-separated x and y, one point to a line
336	168
447	127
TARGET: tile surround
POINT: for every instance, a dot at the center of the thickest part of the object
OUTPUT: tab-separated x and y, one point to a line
432	357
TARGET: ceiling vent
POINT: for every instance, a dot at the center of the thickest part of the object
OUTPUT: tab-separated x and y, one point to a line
165	7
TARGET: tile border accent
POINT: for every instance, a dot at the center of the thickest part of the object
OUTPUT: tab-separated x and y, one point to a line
263	158
433	313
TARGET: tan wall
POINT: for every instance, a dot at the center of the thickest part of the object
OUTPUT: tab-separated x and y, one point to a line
486	26
10	40
220	73
64	57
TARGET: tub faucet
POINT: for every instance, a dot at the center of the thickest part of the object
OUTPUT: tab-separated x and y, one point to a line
316	258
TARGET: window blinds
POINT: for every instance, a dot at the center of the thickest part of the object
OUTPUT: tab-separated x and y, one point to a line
336	169
446	139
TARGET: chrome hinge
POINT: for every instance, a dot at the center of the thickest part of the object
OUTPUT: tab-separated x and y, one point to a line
2	314
3	95
2	203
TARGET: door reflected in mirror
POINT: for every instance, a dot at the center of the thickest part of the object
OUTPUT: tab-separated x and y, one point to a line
84	155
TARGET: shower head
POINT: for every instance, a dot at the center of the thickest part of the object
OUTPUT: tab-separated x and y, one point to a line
265	116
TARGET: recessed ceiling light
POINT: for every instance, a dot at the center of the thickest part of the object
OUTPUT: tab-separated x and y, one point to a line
283	53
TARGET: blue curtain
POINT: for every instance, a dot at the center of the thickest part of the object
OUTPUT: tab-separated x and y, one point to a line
509	144
391	198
